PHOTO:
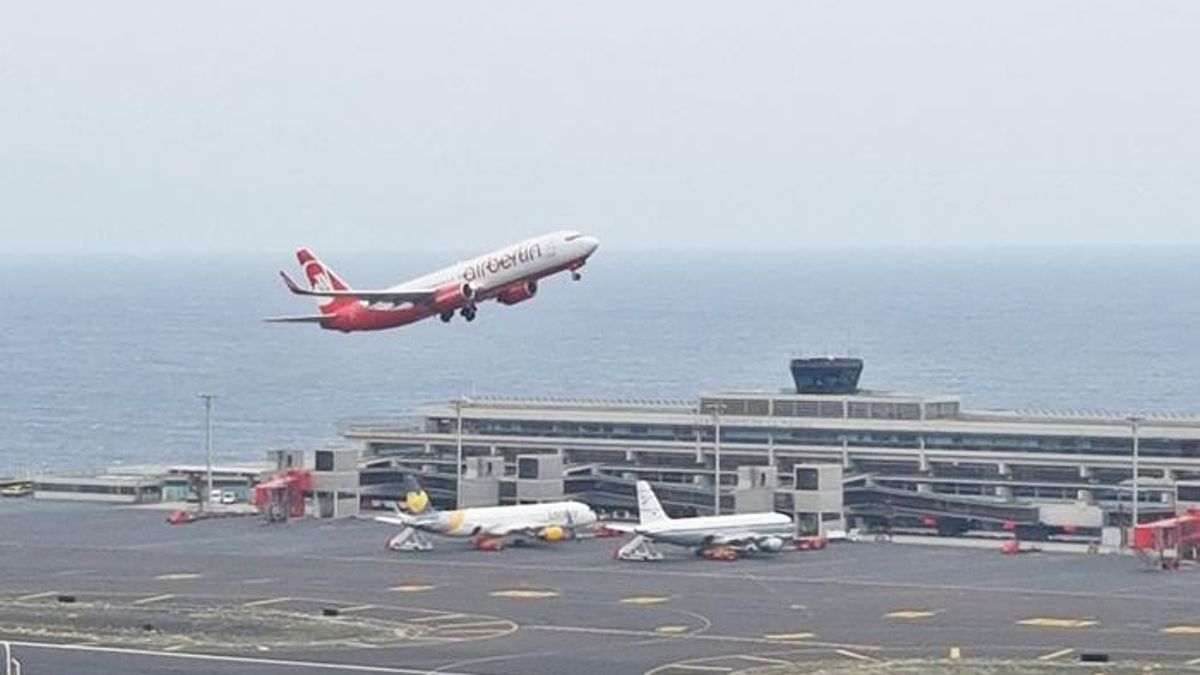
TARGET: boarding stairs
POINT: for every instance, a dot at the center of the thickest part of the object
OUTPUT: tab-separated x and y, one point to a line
410	539
639	549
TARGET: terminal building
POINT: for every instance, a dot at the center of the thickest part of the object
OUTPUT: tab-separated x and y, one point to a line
824	451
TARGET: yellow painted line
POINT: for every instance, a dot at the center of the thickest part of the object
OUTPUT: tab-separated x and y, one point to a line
854	655
356	608
1054	655
1182	630
412	588
1044	622
909	614
178	576
35	596
263	603
524	594
644	600
671	630
790	636
153	598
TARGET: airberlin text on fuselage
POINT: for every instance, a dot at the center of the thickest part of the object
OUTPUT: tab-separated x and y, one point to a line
504	261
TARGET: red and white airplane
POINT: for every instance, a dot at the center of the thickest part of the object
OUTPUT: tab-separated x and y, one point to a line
508	275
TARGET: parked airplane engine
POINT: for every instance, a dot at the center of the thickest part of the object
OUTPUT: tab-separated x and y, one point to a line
770	544
453	296
552	533
511	295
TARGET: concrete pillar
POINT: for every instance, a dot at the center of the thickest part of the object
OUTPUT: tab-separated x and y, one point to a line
1085	496
924	488
1085	472
845	452
1004	470
630	456
1004	492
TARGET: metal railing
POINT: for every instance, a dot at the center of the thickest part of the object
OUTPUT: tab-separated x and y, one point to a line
11	665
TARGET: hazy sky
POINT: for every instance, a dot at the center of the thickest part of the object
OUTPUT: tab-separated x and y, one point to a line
168	126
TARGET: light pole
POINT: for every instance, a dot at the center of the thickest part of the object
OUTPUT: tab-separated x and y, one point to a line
208	401
1134	425
716	412
458	449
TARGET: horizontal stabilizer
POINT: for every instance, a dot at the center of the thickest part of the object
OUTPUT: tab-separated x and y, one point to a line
314	318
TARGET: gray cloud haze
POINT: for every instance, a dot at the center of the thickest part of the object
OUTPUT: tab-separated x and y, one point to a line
226	126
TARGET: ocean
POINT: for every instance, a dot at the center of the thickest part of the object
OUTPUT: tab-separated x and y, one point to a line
103	358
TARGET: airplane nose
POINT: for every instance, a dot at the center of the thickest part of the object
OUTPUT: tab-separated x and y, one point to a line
592	244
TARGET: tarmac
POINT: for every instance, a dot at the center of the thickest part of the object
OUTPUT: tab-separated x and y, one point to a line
87	589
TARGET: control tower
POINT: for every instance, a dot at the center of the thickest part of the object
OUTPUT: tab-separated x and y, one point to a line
826	375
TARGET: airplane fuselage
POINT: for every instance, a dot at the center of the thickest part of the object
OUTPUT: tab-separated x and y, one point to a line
508	274
498	520
702	531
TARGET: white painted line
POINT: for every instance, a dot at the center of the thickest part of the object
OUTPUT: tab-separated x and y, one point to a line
263	603
348	667
178	576
689	666
35	596
356	608
435	617
854	655
472	624
1193	662
155	598
1054	655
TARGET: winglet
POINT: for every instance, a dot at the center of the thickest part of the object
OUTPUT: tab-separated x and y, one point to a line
291	284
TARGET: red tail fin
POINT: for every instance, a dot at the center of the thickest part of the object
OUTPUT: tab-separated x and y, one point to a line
321	278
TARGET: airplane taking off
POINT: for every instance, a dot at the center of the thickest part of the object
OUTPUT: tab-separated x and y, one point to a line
508	275
490	527
710	536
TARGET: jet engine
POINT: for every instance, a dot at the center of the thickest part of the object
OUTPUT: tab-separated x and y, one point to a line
511	295
452	296
770	544
552	533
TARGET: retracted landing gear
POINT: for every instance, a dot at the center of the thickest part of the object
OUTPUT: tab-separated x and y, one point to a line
639	549
410	539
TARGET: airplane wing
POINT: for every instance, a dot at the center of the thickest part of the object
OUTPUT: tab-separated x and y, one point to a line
398	519
395	297
314	318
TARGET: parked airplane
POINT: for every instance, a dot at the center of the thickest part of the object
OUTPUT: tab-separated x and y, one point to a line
508	275
490	527
711	536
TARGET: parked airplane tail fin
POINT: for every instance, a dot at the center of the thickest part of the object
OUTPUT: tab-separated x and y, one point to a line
649	510
321	278
416	501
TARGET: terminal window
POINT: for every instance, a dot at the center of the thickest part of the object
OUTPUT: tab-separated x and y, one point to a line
324	460
527	468
807	479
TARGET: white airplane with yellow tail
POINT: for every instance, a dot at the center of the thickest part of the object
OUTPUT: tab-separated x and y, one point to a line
490	527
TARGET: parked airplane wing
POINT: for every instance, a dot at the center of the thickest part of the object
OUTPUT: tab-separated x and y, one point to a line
395	297
395	520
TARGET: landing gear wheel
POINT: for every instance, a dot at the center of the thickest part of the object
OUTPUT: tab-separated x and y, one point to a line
575	276
468	313
446	316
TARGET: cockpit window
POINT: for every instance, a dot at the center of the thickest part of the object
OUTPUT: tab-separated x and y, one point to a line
573	236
